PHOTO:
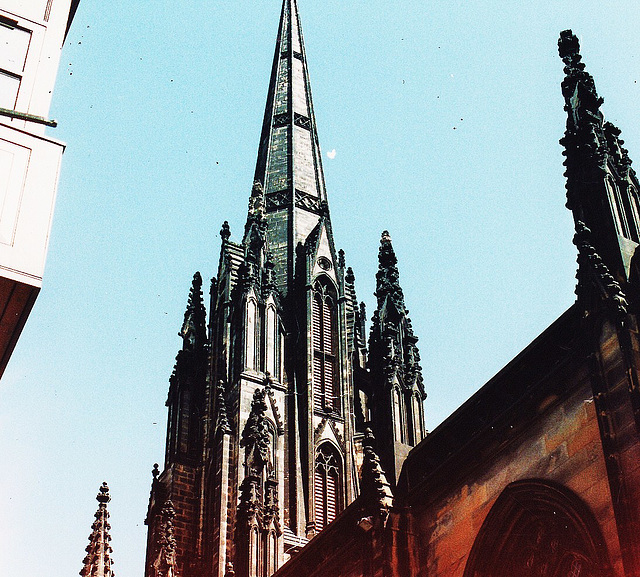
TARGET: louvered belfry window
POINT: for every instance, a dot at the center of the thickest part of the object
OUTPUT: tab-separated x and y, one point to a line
325	389
327	486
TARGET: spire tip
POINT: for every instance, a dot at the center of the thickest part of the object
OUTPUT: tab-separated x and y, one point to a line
568	44
103	496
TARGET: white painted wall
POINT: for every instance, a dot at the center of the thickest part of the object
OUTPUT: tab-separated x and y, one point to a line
31	37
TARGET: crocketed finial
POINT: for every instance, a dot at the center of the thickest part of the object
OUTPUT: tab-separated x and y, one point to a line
595	281
103	496
194	325
375	488
97	562
225	231
568	45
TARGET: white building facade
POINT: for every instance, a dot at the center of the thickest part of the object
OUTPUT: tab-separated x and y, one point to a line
32	33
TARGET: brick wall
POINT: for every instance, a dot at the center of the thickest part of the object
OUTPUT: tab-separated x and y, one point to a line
562	446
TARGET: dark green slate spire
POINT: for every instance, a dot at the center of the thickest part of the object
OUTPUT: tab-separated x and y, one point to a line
289	154
289	182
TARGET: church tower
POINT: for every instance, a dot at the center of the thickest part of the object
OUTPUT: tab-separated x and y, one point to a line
268	403
279	332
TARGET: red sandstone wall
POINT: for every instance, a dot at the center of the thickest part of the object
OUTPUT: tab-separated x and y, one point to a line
563	446
183	494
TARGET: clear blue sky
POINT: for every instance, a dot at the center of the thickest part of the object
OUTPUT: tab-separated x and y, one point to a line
445	118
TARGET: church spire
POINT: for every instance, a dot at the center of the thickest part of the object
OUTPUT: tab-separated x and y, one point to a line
249	486
97	562
289	164
289	154
397	389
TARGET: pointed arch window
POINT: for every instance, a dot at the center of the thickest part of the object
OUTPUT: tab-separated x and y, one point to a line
271	342
252	353
617	208
398	421
542	529
324	344
634	220
183	423
327	485
414	417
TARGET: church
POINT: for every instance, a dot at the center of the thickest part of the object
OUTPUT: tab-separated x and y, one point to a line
296	443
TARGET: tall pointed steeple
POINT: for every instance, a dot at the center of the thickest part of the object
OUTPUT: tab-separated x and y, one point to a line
284	313
97	562
289	153
289	165
260	464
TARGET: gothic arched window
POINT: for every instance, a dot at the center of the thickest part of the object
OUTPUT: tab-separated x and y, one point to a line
538	529
617	208
327	485
184	425
271	345
634	219
324	343
252	350
398	414
414	417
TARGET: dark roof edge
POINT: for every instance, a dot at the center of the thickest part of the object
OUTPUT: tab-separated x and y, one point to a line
72	13
517	382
